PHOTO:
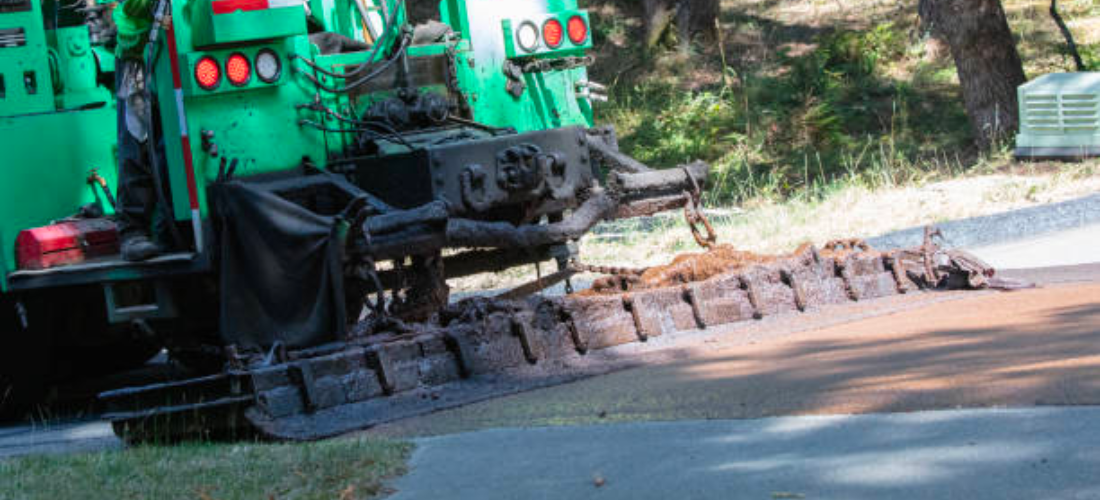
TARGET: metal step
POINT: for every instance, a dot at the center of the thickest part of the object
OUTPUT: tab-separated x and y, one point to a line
107	270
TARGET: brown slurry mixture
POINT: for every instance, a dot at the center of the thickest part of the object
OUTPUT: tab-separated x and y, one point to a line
722	259
687	268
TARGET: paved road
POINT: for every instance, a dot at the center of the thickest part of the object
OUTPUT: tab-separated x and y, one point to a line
660	393
66	437
971	455
987	349
1070	247
1004	227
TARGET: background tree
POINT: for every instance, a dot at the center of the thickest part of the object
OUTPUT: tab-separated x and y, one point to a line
988	64
691	18
1071	45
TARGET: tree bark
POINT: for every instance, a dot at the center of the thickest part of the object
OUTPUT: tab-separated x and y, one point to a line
691	17
1068	35
985	56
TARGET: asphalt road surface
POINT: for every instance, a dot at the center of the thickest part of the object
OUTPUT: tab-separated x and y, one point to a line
1070	247
704	426
1019	349
965	455
930	351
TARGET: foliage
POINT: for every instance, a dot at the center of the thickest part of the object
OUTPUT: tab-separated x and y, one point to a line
793	106
830	114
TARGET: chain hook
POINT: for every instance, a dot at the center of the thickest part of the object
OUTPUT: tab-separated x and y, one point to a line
693	214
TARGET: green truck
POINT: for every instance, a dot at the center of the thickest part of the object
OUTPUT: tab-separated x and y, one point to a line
325	162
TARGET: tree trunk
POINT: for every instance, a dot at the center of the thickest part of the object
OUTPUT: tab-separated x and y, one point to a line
1068	35
692	17
988	64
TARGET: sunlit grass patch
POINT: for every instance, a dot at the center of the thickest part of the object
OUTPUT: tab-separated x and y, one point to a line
348	469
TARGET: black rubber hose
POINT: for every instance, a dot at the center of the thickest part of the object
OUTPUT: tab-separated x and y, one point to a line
374	51
152	55
382	67
377	135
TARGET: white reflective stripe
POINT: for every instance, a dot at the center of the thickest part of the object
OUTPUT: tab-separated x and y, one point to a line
179	111
275	4
196	226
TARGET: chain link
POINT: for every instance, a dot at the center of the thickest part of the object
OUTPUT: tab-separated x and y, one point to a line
693	214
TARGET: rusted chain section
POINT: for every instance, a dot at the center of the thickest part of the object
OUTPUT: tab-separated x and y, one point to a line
615	278
693	214
608	270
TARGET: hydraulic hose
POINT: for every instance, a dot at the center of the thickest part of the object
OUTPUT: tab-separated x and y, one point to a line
151	57
381	68
390	21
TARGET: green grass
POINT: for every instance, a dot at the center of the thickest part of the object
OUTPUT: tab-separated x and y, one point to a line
339	470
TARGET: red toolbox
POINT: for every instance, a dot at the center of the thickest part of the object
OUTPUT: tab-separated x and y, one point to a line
65	243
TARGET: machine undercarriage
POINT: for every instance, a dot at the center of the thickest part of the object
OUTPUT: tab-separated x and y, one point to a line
385	368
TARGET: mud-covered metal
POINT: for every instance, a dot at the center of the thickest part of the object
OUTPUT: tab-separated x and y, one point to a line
487	347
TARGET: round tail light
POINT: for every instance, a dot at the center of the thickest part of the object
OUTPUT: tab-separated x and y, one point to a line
238	70
208	74
268	66
578	30
553	33
527	36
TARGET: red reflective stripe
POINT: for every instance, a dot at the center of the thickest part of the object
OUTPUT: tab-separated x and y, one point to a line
230	6
192	192
173	56
188	161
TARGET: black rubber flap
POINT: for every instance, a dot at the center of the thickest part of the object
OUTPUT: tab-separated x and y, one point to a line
281	269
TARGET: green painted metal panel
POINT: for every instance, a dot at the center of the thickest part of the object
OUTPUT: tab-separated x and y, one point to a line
24	64
48	158
550	99
54	137
78	70
189	61
211	29
567	47
261	125
257	125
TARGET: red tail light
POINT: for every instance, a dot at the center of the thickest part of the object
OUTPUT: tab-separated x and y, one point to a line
208	74
578	30
553	33
238	70
231	6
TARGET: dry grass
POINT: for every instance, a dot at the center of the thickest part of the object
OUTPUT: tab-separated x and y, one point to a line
850	210
856	211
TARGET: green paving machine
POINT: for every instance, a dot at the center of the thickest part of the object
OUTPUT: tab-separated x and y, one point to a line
327	167
57	128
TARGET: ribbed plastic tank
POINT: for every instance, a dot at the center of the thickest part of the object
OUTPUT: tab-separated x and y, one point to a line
1060	117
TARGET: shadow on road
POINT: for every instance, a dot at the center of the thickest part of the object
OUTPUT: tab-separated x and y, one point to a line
1039	347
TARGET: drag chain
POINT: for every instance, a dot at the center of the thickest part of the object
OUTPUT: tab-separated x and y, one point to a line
486	347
